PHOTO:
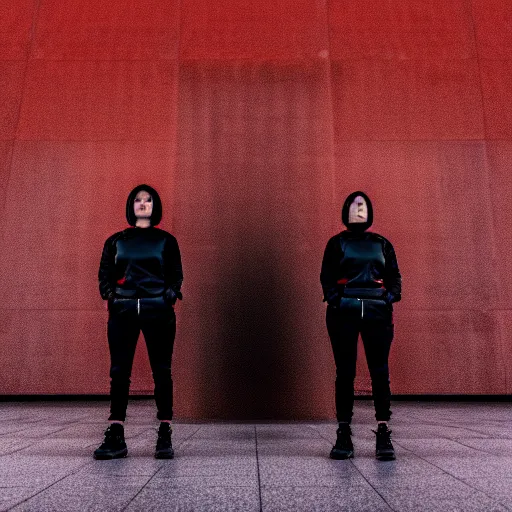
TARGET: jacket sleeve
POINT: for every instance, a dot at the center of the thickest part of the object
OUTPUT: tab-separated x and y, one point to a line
392	277
106	274
330	270
173	271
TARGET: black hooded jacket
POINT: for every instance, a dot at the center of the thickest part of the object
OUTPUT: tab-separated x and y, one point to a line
141	262
358	263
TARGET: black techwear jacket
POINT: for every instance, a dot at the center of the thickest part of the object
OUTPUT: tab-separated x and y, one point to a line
141	262
359	269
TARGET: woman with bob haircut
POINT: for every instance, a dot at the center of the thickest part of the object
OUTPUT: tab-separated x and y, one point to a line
360	281
140	277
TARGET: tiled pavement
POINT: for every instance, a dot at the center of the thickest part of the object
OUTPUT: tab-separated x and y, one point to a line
450	457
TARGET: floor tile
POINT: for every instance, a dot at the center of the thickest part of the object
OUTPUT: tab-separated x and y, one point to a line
159	494
450	457
324	499
79	493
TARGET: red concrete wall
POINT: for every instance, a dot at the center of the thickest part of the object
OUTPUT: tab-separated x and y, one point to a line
254	120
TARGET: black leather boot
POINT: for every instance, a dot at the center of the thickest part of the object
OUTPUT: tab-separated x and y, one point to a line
343	448
114	445
384	448
164	444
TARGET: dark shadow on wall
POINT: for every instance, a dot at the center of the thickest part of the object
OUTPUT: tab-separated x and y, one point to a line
250	184
255	363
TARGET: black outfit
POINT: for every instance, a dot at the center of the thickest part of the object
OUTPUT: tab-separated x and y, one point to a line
360	281
140	275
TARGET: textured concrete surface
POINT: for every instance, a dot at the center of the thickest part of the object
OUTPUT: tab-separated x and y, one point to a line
450	457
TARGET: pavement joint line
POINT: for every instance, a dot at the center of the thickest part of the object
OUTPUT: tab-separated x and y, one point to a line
436	433
370	484
446	472
473	448
258	467
88	463
32	426
76	470
91	462
319	434
475	431
18	450
34	441
189	437
362	475
158	470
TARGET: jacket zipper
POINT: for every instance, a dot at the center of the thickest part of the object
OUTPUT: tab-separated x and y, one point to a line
138	306
362	308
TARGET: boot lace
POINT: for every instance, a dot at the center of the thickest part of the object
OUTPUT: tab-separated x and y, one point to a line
343	437
384	437
111	436
164	436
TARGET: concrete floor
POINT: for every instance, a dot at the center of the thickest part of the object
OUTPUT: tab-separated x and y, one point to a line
450	457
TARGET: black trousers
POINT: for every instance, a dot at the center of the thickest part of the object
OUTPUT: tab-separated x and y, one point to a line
156	319
377	335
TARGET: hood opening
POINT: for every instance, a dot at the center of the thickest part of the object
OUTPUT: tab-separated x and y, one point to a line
356	226
156	215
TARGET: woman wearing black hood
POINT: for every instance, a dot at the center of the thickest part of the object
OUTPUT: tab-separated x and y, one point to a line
140	276
360	281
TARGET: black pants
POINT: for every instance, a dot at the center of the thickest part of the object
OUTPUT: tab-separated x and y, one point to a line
156	318
377	336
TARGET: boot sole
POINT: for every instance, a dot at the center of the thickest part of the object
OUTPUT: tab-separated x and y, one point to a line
389	456
164	455
108	456
341	455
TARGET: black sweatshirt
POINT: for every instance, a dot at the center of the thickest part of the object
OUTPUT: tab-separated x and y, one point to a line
140	262
362	260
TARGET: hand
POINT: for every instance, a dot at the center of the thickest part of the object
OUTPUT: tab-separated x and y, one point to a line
171	296
333	298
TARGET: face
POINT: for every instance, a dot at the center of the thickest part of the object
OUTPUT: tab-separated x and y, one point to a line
143	205
358	210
